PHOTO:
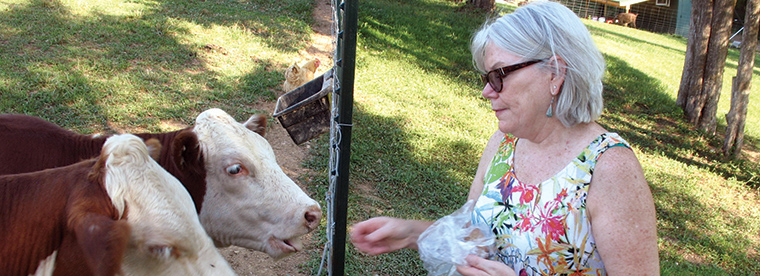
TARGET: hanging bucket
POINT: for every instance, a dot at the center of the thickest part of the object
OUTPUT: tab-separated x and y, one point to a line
305	111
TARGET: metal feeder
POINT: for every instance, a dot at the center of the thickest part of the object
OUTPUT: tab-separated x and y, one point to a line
305	111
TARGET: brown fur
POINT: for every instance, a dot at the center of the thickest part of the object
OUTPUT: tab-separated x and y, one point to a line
626	18
65	209
154	148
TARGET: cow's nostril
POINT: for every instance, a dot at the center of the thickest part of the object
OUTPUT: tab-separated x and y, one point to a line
313	216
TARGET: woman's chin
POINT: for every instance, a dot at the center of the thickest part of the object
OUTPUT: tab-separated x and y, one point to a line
506	127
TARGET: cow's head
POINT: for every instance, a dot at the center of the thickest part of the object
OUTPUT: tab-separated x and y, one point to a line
166	236
249	200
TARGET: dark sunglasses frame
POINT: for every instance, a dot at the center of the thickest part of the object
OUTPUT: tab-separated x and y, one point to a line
496	76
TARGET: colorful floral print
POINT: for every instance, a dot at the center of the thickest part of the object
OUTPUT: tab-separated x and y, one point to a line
543	229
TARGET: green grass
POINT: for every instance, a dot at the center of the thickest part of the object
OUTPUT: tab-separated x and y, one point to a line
90	65
419	119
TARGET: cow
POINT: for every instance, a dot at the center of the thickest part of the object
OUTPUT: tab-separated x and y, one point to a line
240	192
626	18
117	214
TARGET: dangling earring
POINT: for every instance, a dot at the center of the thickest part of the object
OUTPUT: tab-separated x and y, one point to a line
549	112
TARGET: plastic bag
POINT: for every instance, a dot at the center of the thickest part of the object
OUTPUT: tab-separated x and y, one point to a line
447	242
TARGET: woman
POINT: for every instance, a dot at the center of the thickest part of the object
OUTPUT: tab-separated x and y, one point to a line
534	186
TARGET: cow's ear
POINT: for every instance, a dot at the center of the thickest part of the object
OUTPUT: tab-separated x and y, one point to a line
257	123
103	242
186	150
154	148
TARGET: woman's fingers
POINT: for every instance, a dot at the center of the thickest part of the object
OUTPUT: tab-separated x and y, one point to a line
373	236
479	266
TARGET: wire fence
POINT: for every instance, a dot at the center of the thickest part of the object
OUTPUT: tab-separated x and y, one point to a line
659	16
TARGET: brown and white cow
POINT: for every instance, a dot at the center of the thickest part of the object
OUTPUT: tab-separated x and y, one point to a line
242	195
120	213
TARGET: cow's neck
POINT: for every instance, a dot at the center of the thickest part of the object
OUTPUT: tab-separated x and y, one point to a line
84	147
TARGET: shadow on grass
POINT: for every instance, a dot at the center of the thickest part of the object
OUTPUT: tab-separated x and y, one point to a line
34	86
391	177
682	221
651	120
86	72
283	25
431	34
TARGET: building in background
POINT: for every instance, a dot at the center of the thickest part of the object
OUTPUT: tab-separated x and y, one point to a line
659	16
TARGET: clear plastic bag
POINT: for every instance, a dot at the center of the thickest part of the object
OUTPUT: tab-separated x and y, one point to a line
447	242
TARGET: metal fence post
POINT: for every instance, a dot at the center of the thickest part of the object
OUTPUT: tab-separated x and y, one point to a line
340	134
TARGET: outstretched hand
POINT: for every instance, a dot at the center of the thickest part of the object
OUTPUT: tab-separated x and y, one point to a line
384	234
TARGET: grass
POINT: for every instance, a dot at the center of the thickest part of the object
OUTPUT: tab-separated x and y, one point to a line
419	120
121	64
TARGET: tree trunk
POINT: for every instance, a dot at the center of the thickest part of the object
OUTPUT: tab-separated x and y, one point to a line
736	117
486	5
723	12
696	55
707	48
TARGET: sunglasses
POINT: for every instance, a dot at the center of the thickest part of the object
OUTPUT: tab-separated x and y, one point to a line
495	76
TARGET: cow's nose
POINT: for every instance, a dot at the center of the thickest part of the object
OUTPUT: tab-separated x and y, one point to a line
313	216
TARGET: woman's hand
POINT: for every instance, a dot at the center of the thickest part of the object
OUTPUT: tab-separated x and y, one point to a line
477	266
384	234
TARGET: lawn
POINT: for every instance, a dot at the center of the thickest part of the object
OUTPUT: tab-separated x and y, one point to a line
419	119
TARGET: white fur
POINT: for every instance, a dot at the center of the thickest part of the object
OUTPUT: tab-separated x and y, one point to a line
47	266
263	210
167	237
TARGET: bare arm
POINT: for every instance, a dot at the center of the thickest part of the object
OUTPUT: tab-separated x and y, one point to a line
485	160
622	215
384	234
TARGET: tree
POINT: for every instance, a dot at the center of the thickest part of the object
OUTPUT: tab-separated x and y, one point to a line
737	116
486	5
706	52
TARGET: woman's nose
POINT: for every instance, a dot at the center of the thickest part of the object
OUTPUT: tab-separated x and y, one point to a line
488	92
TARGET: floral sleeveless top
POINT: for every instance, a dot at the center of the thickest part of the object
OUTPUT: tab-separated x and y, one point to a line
543	229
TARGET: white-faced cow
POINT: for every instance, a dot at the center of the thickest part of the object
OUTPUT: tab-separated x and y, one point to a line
242	195
117	214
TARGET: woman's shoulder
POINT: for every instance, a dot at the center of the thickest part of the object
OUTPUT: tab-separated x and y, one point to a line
616	158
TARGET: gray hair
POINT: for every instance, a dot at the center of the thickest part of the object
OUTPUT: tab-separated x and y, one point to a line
542	30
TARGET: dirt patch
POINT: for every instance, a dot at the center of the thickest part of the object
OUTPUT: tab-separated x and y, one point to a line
290	157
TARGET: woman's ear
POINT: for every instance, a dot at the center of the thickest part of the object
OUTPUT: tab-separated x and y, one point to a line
558	69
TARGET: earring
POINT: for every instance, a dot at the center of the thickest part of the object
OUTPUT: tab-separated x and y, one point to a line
549	112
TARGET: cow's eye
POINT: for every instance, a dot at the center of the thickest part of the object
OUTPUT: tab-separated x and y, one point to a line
234	169
164	252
